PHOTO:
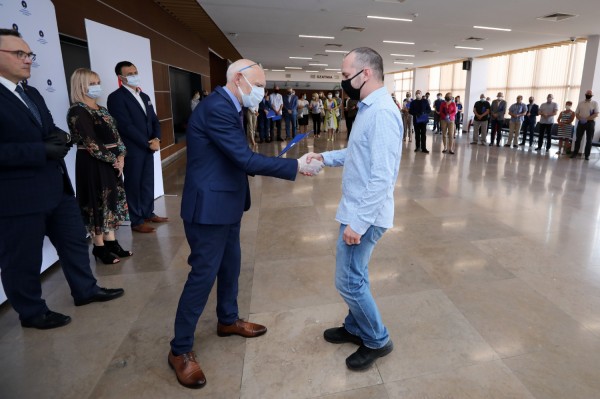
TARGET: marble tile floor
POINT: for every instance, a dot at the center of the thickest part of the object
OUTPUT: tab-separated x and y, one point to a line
489	284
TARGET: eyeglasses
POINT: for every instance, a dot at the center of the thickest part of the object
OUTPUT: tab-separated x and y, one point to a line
21	54
250	66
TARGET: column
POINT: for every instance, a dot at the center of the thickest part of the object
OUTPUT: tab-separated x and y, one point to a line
590	78
476	85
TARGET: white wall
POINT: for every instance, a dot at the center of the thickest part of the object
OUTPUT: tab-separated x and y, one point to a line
590	79
476	84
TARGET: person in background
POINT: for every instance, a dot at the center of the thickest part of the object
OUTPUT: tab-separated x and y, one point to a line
251	120
586	114
565	129
481	109
436	116
447	115
37	197
547	112
276	101
516	111
497	112
529	121
303	113
99	166
263	122
427	98
330	116
338	115
407	118
139	129
351	109
458	119
316	109
195	100
420	110
290	112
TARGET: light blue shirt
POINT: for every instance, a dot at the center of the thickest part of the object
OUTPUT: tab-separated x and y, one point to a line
236	102
371	164
517	108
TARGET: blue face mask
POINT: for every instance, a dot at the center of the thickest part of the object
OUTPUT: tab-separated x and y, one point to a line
134	80
94	91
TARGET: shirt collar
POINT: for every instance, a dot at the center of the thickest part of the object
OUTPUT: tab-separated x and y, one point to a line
132	91
8	84
374	96
236	102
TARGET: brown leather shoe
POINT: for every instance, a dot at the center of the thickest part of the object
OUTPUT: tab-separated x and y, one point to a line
188	371
143	228
157	219
241	328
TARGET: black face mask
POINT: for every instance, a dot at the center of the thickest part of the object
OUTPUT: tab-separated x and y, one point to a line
588	96
352	93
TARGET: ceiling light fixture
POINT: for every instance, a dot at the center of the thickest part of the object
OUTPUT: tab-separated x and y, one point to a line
469	48
337	51
395	42
293	67
316	37
332	69
390	18
492	28
300	58
312	71
277	70
318	64
402	55
403	63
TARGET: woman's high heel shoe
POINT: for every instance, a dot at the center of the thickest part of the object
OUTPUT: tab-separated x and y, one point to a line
116	249
104	254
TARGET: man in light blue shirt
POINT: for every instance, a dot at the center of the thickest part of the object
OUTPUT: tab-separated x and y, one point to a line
366	210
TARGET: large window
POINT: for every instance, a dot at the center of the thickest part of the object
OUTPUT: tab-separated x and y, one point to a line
403	83
556	70
447	78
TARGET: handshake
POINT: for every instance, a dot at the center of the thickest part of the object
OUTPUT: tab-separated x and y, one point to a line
310	164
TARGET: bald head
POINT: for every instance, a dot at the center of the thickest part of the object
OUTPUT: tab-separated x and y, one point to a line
242	75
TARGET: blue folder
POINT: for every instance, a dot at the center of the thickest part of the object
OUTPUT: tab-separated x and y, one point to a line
292	143
271	115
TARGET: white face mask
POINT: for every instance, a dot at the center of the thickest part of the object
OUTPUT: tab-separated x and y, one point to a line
568	107
419	96
329	96
94	91
134	80
254	98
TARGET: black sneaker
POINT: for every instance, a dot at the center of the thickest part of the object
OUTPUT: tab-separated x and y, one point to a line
364	357
425	151
587	158
340	335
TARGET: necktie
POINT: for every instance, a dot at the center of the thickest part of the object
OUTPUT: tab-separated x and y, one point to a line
30	104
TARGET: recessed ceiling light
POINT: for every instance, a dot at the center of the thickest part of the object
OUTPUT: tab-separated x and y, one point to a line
395	42
277	70
332	69
312	71
292	67
492	28
469	48
402	55
403	63
390	18
300	58
316	37
318	64
265	69
337	51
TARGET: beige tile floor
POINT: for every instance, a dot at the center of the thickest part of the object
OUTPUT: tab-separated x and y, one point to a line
489	284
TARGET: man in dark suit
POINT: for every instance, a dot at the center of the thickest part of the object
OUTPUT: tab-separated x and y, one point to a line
290	111
263	121
529	121
140	130
215	195
37	197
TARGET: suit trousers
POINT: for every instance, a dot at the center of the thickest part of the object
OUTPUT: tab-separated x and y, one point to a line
21	242
545	130
421	136
528	125
497	130
215	254
139	187
588	129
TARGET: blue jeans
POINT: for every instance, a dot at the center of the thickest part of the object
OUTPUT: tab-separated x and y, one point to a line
352	282
290	119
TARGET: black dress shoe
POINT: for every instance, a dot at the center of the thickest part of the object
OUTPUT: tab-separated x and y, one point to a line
416	149
47	321
364	357
340	335
103	295
426	151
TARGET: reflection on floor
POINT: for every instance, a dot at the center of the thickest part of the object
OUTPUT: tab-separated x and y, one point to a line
489	284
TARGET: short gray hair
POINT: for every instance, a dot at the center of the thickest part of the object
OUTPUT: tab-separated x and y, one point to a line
367	57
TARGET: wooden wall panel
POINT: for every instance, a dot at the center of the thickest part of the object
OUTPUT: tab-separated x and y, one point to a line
161	76
167	134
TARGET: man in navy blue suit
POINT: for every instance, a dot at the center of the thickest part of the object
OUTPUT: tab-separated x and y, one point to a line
263	121
290	110
37	198
215	195
140	130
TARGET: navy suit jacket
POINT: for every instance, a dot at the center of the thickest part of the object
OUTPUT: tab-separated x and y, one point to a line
264	104
135	127
534	111
291	104
29	183
219	161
